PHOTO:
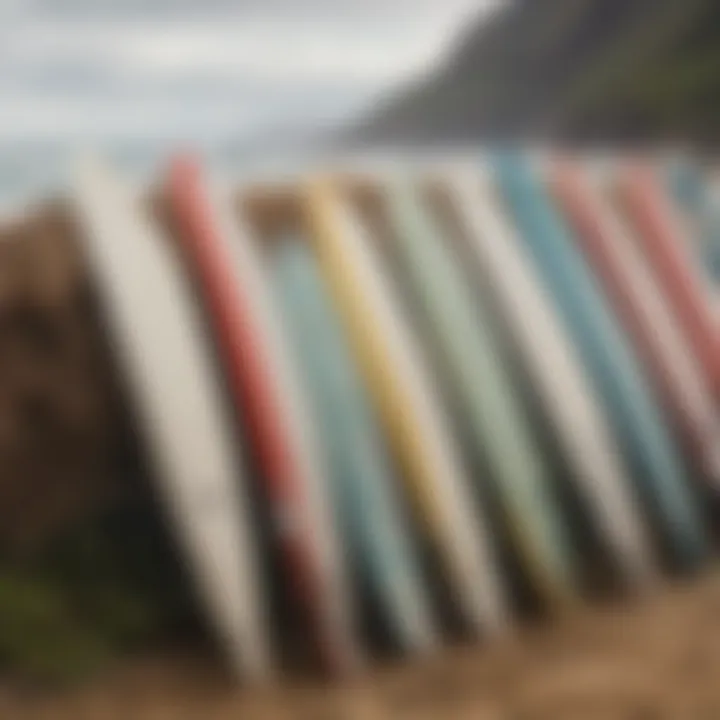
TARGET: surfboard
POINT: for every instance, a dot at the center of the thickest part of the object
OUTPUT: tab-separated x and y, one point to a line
642	308
157	336
659	230
697	194
711	186
570	401
692	190
711	234
249	335
403	396
462	329
640	428
361	476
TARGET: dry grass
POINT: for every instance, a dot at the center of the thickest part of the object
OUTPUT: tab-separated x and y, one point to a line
654	659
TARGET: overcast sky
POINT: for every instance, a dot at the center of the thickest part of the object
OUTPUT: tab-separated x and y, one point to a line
106	70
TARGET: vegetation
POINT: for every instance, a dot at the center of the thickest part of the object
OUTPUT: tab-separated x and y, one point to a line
591	70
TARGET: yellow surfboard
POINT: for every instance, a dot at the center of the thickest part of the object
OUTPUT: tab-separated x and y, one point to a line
402	392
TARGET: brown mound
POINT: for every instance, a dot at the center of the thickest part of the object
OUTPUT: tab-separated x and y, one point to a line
61	422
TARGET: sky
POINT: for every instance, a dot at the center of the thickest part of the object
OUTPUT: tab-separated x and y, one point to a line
99	68
140	73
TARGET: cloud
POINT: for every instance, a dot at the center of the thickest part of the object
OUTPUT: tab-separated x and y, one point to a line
91	119
271	51
102	69
275	9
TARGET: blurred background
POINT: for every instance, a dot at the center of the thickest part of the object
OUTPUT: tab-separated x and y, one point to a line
246	81
253	82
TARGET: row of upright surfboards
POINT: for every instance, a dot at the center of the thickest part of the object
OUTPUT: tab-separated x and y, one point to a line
447	383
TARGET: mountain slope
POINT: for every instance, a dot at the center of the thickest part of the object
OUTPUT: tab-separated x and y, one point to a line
578	69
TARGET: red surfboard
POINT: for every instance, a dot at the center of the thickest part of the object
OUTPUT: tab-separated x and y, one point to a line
250	360
642	308
660	231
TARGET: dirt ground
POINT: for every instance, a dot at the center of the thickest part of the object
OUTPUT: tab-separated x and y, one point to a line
654	658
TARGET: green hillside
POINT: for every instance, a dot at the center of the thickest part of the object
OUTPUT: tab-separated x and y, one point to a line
595	70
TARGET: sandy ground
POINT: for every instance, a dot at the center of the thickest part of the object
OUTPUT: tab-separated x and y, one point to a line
650	659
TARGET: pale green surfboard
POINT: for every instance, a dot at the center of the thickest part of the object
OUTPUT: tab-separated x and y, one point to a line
473	366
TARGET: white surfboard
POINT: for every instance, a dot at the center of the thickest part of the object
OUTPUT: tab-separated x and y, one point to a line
391	360
166	361
555	368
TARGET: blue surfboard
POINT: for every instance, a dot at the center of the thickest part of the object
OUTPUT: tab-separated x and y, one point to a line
362	482
689	188
651	453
